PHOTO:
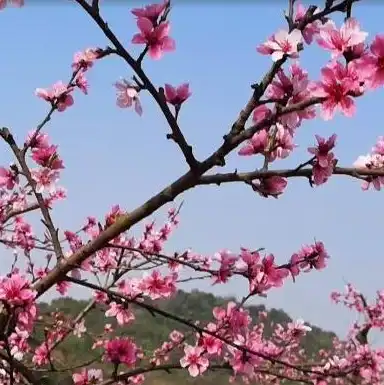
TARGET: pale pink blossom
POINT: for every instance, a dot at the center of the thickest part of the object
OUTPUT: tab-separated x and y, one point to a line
338	41
58	94
79	329
45	179
256	145
128	94
282	43
123	314
88	377
84	59
194	360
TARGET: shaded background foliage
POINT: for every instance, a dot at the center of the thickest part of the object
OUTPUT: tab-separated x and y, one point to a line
152	330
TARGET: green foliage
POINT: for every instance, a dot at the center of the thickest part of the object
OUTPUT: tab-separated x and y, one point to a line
150	331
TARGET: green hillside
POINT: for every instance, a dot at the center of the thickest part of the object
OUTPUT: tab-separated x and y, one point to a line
150	331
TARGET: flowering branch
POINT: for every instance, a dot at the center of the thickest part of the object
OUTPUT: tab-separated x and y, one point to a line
159	97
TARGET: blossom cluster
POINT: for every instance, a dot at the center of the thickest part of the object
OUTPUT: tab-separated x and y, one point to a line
138	272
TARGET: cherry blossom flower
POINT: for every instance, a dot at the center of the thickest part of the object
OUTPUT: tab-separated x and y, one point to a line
372	65
338	41
88	376
123	315
282	43
194	360
311	29
59	94
47	157
84	59
122	351
128	94
325	161
177	95
45	179
156	38
336	88
8	178
15	291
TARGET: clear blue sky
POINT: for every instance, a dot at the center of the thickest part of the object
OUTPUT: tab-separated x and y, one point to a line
113	156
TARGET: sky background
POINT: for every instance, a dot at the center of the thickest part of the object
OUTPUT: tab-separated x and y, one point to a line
114	156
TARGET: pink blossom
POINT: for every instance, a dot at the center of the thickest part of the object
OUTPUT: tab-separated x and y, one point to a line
309	257
294	88
256	145
209	343
15	291
325	161
152	11
311	29
8	178
156	286
45	179
261	113
336	89
121	351
58	95
47	157
372	64
372	161
16	3
79	329
127	94
177	95
88	376
154	37
123	314
273	185
237	318
82	83
282	43
194	360
84	59
338	41
40	140
283	144
41	355
298	328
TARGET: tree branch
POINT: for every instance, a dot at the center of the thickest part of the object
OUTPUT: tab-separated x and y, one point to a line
189	179
177	134
48	222
287	173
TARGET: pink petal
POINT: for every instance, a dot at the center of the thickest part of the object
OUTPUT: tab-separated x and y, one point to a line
145	25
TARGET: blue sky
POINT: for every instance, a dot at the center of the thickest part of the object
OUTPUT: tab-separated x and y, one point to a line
113	156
